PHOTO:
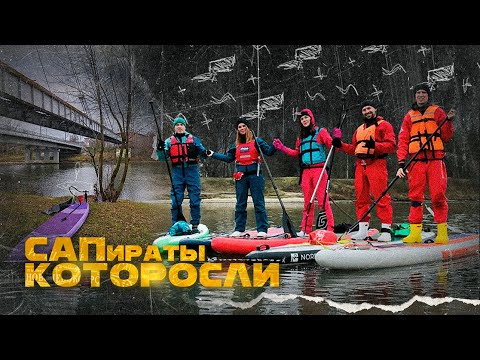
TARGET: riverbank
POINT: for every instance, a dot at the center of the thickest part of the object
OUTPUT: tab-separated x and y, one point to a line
223	189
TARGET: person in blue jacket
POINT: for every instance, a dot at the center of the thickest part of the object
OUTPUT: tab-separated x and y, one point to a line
248	175
184	151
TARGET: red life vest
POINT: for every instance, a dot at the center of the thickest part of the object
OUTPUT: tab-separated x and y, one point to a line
183	152
247	154
422	127
364	134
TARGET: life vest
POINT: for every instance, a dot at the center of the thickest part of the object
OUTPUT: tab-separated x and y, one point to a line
247	154
311	152
422	127
185	152
364	134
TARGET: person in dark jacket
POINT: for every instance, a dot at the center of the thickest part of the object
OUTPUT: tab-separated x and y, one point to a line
184	151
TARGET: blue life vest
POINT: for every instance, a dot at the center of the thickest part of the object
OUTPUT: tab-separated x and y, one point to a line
311	151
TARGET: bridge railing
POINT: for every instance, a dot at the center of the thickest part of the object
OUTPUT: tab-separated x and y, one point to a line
18	85
35	135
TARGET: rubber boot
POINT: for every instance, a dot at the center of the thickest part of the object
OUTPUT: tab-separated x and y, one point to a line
442	234
195	229
385	233
415	234
362	232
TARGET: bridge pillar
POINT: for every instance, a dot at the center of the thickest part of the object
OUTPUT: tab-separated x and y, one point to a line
37	155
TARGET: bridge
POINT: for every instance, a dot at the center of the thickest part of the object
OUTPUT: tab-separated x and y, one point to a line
23	100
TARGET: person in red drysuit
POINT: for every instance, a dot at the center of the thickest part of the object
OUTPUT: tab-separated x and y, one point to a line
428	167
371	144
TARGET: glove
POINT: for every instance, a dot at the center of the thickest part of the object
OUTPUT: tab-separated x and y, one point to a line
277	144
160	144
369	143
337	142
237	175
337	133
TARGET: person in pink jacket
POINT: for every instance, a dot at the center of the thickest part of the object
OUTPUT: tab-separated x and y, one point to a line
311	146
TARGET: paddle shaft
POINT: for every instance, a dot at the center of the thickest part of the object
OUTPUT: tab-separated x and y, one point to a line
430	137
180	216
330	155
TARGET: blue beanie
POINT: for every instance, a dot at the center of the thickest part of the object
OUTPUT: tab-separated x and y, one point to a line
179	120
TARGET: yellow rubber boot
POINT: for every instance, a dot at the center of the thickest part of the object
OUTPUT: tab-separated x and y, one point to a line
414	236
442	234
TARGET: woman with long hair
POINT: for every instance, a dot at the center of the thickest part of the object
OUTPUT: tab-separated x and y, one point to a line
248	175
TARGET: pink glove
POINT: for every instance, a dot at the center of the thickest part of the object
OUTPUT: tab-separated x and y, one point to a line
337	133
277	144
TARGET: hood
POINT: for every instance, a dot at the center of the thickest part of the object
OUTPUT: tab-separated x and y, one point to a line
309	112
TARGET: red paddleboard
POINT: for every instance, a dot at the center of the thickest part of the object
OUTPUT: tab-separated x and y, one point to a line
243	245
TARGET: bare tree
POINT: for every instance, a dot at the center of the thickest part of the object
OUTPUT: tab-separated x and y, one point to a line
113	92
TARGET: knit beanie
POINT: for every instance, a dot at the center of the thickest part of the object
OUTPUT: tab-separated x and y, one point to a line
242	121
179	120
368	102
422	87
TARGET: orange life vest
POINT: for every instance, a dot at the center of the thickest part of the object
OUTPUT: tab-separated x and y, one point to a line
183	152
422	127
364	134
247	154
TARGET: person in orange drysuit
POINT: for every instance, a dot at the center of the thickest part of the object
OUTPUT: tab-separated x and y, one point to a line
371	144
311	147
428	167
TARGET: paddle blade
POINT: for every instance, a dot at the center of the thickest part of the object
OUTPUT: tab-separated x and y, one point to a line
321	220
288	226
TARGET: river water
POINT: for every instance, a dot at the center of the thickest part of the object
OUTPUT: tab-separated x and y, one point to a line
451	287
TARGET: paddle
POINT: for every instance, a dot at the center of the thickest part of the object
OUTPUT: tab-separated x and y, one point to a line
85	193
180	216
316	186
321	222
287	224
430	137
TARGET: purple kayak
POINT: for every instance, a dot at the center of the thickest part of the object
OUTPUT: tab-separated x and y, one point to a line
65	223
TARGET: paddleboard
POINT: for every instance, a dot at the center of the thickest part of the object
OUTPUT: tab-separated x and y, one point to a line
373	254
191	240
243	245
63	224
305	253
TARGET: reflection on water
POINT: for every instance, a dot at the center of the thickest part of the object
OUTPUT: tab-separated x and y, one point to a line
304	289
145	181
